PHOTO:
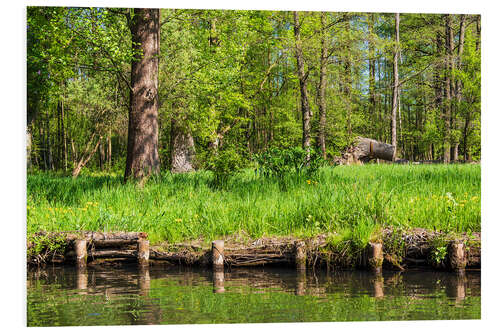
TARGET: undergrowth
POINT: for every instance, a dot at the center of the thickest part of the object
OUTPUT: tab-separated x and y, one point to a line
351	201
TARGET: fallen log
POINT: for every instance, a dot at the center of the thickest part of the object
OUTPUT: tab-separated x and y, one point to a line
365	149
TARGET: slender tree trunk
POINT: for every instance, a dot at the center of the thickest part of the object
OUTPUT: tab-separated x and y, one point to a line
86	156
142	147
304	99
322	86
448	90
395	86
50	161
458	83
478	32
371	73
109	150
348	83
64	144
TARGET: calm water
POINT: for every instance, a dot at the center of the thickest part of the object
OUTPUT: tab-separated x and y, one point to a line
128	296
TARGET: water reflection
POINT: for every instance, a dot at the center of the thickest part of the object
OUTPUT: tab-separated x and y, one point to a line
218	277
159	295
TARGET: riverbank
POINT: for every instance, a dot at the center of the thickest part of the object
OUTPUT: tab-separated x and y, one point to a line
394	249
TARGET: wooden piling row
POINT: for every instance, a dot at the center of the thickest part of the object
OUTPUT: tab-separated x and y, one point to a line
81	246
300	253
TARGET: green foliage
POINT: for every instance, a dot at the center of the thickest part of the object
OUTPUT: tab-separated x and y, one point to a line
276	162
40	247
224	163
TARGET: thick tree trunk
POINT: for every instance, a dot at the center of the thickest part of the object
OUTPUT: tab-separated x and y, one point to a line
142	148
365	149
304	99
395	85
182	150
322	87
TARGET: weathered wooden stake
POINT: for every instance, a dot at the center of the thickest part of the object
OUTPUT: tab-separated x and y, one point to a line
218	277
218	254
81	253
375	257
143	252
456	256
300	256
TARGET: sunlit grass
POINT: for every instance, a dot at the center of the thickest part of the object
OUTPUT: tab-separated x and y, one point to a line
354	199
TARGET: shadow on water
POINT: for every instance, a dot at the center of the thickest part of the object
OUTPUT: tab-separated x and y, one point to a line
173	295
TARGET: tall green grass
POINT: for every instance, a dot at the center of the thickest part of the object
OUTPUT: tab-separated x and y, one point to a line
352	199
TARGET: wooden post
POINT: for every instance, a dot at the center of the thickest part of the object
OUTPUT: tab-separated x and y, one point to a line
456	256
218	277
143	252
81	253
375	257
300	256
218	254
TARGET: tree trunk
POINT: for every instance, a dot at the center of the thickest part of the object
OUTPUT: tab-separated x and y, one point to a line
142	147
305	107
348	84
365	149
395	85
182	150
322	87
109	150
458	83
448	90
86	156
65	144
371	72
50	161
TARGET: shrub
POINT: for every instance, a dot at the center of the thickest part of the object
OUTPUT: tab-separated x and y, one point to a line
276	162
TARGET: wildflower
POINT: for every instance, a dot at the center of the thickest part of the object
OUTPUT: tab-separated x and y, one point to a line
309	182
178	220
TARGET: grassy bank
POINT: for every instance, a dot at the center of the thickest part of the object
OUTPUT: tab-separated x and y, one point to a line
351	200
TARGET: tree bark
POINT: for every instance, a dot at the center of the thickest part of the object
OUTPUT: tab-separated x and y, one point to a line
322	86
304	99
142	147
395	86
182	150
365	149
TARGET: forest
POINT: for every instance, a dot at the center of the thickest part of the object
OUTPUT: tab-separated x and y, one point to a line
139	91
